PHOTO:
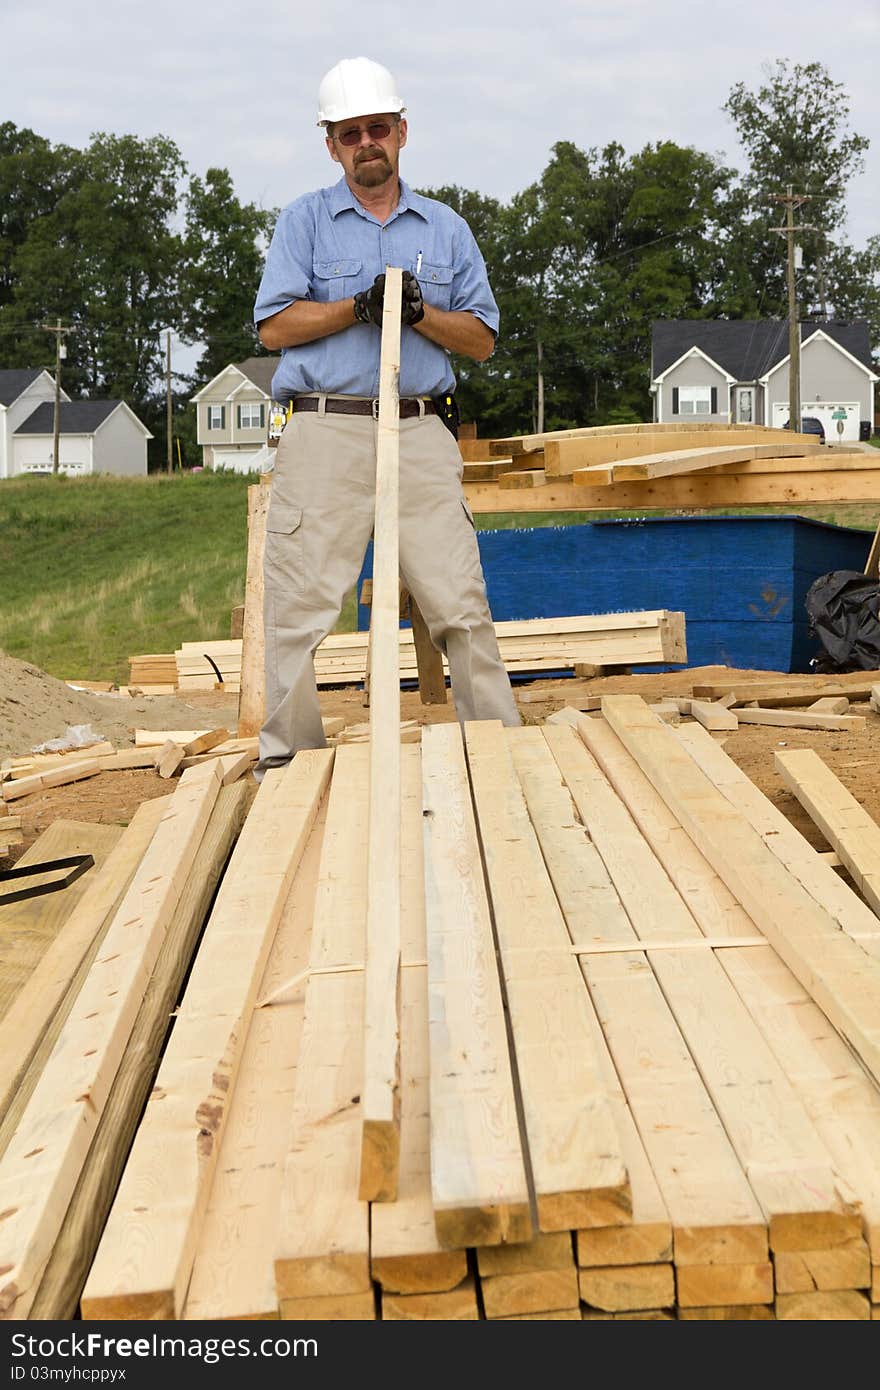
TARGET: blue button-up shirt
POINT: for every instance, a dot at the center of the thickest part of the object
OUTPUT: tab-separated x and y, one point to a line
327	247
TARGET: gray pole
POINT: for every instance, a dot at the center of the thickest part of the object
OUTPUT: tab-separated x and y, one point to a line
794	330
57	420
169	464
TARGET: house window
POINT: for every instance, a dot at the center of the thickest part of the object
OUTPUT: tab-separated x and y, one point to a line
216	417
251	416
695	400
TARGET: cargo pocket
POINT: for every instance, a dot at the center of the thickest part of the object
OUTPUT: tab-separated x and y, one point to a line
284	561
436	284
334	280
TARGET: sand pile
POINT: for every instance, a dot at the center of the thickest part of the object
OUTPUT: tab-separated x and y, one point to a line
36	707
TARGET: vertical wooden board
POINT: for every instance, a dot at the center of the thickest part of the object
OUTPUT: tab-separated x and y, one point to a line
405	1254
576	1162
322	1236
28	928
478	1178
42	1163
233	1273
380	1104
252	692
148	1246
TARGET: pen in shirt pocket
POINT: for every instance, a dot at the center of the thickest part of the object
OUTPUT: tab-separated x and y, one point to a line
418	262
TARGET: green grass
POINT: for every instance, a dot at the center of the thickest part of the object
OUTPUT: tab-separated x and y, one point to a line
97	570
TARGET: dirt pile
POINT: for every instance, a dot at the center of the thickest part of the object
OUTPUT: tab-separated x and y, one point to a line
36	707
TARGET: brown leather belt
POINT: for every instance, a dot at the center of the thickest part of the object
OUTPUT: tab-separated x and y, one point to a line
351	405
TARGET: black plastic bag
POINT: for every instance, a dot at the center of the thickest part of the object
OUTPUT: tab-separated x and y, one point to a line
843	608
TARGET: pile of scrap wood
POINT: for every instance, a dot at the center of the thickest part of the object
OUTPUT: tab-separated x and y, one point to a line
611	467
639	1056
538	644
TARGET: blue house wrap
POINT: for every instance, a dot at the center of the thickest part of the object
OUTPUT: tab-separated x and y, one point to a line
740	581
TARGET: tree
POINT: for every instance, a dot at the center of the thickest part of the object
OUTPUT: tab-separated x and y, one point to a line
795	132
223	256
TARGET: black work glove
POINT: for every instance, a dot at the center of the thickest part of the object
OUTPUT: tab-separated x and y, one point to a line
412	306
368	303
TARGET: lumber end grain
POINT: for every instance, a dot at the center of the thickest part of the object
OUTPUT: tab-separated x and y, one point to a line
156	1306
457	1228
431	1273
380	1161
311	1276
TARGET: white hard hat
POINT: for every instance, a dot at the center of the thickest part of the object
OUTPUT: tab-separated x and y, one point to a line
356	87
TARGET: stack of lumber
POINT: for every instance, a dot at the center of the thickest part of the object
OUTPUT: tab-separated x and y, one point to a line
152	674
709	465
537	644
639	1038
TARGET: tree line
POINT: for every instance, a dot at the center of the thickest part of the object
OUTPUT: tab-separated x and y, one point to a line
120	240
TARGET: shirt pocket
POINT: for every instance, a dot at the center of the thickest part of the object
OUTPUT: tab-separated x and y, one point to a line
333	280
436	283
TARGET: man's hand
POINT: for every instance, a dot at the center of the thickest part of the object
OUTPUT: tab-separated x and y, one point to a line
368	303
412	306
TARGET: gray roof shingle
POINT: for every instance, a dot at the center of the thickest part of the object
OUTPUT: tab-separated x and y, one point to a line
747	348
76	417
14	380
259	370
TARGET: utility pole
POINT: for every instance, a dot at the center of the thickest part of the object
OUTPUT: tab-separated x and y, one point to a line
60	354
793	200
169	462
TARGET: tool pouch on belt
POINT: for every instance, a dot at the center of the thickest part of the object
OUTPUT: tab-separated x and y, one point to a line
447	408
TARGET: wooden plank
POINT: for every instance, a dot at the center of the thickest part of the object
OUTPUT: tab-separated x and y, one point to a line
322	1229
810	868
480	1193
788	1167
57	777
713	715
380	1098
525	477
252	695
692	491
429	660
715	1285
546	1250
353	1307
566	456
846	825
800	719
541	1291
842	978
183	1124
41	1166
458	1305
234	1269
74	1249
829	704
793	691
29	928
842	1267
576	1163
843	1306
627	1288
405	1254
203	742
39	1001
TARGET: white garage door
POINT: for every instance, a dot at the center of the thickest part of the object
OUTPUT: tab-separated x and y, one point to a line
840	419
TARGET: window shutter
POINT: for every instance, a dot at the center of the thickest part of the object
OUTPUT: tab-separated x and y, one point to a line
714	405
223	417
675	400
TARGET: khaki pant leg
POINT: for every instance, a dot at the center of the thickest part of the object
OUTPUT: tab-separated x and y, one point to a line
320	520
440	565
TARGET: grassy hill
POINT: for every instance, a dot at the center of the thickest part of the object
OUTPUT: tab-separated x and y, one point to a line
96	570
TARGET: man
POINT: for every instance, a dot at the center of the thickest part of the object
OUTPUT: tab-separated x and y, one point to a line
320	302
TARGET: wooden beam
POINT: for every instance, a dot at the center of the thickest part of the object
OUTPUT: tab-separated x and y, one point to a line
793	690
799	719
74	1249
839	975
41	1166
577	1167
252	695
478	1178
380	1102
183	1126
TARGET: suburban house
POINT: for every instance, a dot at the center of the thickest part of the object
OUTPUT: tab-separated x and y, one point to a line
737	371
22	389
238	421
93	437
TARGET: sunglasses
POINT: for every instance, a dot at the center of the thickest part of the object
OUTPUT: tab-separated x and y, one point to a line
377	130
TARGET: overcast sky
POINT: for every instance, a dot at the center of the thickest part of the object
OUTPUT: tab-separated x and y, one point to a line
489	87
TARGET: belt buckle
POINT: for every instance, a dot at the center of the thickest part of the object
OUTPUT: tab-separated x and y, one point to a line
374	403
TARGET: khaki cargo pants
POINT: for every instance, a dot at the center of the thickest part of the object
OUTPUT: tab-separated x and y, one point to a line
319	524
